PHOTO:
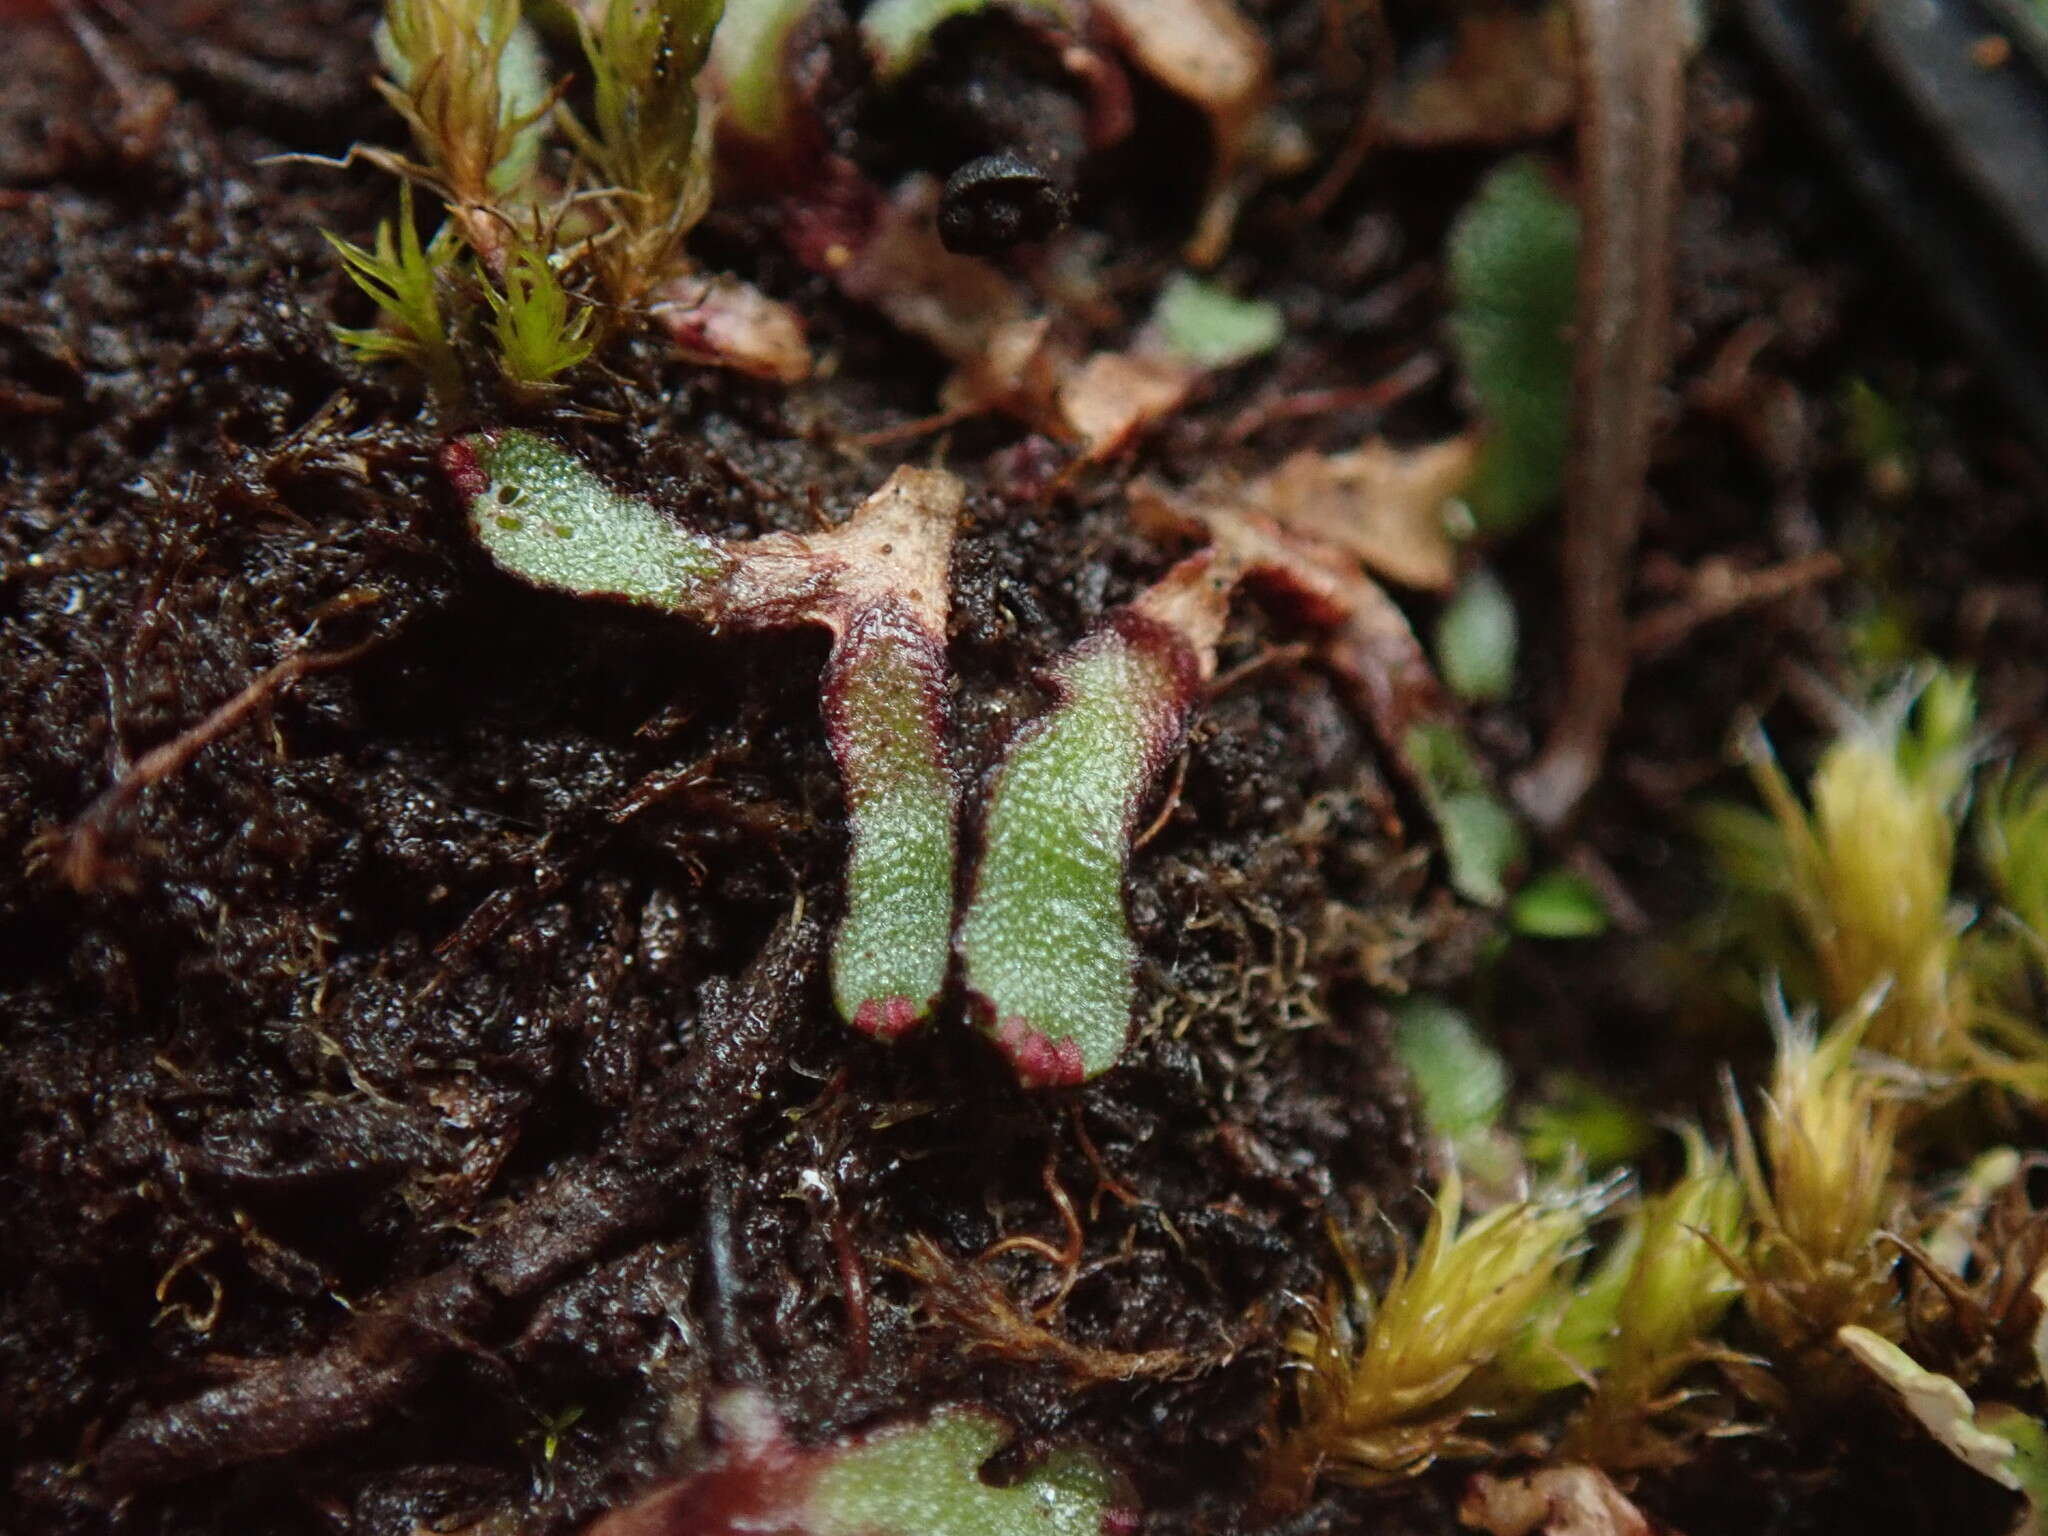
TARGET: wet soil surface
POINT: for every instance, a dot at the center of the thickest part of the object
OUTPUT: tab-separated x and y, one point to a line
437	1067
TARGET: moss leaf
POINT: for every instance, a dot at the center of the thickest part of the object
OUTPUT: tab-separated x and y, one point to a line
1514	254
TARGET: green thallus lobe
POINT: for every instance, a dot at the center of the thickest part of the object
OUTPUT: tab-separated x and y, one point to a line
1048	952
878	583
909	1478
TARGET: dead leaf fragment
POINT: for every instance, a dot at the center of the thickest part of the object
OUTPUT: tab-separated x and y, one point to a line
1386	505
1367	640
1111	397
1557	1501
730	324
1206	51
956	304
1508	77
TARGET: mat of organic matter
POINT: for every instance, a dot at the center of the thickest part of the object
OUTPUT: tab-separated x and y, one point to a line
422	1099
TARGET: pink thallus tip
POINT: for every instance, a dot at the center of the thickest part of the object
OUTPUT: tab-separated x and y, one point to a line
465	471
886	1018
1040	1060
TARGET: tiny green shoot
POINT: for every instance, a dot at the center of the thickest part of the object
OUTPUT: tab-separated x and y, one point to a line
1483	843
403	278
542	330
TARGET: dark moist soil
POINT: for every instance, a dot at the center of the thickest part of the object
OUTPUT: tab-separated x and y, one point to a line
440	1061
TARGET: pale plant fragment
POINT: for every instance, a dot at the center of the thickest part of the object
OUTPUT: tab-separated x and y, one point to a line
1940	1406
877	583
1555	1501
721	321
1381	1382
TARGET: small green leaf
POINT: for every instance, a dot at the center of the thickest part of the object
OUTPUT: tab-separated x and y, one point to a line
1557	904
1513	259
1879	438
1475	640
1577	1122
924	1480
1482	840
1212	327
544	517
1461	1080
1047	951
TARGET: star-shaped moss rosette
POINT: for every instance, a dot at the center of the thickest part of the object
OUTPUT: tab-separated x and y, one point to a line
1048	951
878	583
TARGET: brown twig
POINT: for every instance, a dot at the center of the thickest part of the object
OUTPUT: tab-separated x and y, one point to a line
1631	130
1720	589
80	849
1388	390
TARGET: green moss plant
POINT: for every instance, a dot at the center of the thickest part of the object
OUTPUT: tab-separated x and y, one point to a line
878	584
1819	1171
542	330
1382	1389
647	141
404	279
466	76
1675	1289
1851	891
